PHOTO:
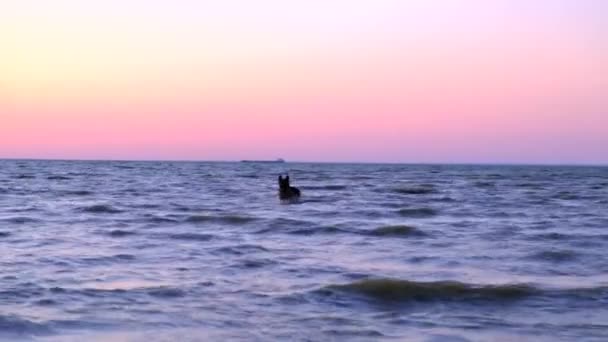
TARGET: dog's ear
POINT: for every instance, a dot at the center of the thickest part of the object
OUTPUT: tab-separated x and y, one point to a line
287	178
280	178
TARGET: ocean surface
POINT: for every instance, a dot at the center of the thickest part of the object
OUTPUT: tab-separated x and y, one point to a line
168	251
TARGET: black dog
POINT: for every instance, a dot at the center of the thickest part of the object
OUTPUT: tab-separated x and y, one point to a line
287	192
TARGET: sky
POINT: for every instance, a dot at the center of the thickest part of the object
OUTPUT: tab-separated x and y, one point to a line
414	81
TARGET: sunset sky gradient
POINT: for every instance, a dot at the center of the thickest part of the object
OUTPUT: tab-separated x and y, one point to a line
488	81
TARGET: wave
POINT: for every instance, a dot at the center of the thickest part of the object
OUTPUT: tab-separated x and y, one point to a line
354	333
160	220
421	190
405	290
125	167
242	249
536	186
156	291
45	302
396	290
191	236
78	193
229	219
482	184
124	256
384	231
417	212
399	230
166	292
335	187
58	177
288	223
257	263
20	220
566	195
555	236
318	230
15	326
554	256
443	199
108	259
24	176
101	209
120	233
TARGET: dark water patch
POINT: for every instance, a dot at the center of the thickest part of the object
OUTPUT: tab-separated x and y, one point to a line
318	230
395	231
147	206
108	259
566	195
20	220
101	209
307	200
443	199
353	333
4	234
554	255
482	184
161	220
125	167
241	249
24	176
58	177
503	214
191	237
79	193
132	192
21	291
417	212
390	204
45	302
180	207
536	186
394	290
357	178
236	219
94	292
420	190
550	236
15	326
228	219
80	325
166	292
118	233
124	257
284	223
257	263
420	259
334	187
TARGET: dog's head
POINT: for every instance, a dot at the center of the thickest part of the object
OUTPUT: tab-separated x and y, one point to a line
284	182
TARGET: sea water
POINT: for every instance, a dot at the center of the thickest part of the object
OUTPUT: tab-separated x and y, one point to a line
192	251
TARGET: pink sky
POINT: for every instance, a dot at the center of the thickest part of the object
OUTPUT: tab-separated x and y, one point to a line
340	80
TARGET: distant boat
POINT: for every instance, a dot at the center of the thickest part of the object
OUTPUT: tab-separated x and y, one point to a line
280	160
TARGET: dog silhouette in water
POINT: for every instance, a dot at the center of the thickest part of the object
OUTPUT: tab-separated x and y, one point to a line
286	191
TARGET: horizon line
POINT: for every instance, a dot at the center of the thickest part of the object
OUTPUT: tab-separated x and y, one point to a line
454	163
